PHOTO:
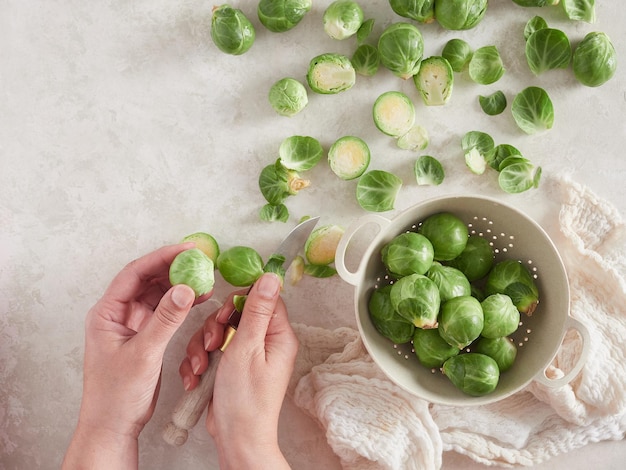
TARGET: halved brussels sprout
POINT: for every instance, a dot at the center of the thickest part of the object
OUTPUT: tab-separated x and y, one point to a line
548	49
461	321
485	66
476	259
193	268
288	97
458	54
231	30
349	157
502	350
493	104
394	113
386	320
447	233
277	183
428	171
295	271
460	14
300	153
512	278
435	81
422	11
342	19
401	47
478	148
450	281
431	349
594	61
205	243
240	265
330	73
366	60
407	253
377	190
501	316
532	110
416	138
416	299
474	373
321	245
282	15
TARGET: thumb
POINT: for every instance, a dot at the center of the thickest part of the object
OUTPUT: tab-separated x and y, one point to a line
259	309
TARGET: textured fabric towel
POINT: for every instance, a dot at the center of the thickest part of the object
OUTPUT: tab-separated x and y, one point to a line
372	424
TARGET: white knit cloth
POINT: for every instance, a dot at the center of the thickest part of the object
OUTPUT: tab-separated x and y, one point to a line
372	424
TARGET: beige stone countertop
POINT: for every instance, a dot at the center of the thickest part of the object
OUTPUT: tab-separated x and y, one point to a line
123	128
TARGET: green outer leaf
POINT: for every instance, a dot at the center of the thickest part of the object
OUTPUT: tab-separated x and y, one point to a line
548	49
422	11
534	24
282	15
366	60
300	153
319	271
460	14
532	110
517	177
274	213
364	31
276	264
500	153
458	53
231	31
428	171
493	104
580	10
478	148
376	190
485	66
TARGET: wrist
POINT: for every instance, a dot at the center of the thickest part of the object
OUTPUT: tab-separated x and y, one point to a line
244	455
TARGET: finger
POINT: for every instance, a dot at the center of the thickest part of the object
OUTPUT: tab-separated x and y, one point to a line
190	380
196	354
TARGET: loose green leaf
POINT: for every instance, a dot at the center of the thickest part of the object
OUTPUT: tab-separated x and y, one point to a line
518	176
376	190
548	49
274	213
428	171
319	271
534	24
364	31
485	66
580	10
532	110
458	53
478	148
300	153
366	60
493	104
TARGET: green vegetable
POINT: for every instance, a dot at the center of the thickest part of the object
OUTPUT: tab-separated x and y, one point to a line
376	190
485	66
282	15
447	233
240	265
394	113
473	373
500	153
364	31
478	148
366	60
501	316
428	171
239	301
493	104
534	24
518	174
295	271
502	350
431	349
450	281
580	10
407	253
205	243
532	110
273	213
193	268
349	157
300	153
342	19
460	14
288	97
330	73
276	264
231	30
435	80
548	49
321	244
416	138
386	320
536	3
458	54
416	299
422	11
461	321
401	47
512	278
594	61
319	271
476	259
277	183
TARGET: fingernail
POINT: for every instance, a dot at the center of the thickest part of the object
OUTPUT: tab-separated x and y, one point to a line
182	295
186	383
195	364
268	285
207	340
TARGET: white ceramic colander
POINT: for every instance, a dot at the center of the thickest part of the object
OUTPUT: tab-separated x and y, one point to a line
513	235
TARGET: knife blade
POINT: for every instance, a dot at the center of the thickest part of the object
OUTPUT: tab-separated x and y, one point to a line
192	403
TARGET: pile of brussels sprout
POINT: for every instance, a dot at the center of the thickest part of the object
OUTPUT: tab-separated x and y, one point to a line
453	301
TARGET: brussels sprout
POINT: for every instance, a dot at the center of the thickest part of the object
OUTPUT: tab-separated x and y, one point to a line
460	14
321	244
478	148
195	269
532	110
277	183
422	11
330	74
580	10
518	174
408	253
428	171
300	153
295	271
502	350
205	243
594	61
485	66
416	299
276	264
386	320
512	278
435	80
431	349
274	212
534	24
401	47
461	321
450	281
536	3
376	190
239	301
477	293
447	233
349	157
500	153
231	30
240	265
366	60
548	49
458	54
493	104
416	138
394	113
501	316
282	15
476	259
288	97
342	19
474	373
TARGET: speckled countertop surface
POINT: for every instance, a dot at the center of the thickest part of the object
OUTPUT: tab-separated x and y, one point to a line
122	128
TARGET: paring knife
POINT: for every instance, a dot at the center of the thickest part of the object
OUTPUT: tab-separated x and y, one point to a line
192	403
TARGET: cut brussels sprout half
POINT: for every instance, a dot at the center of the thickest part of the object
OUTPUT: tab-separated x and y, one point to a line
330	73
458	53
231	30
580	10
459	14
502	350
478	148
415	139
532	110
407	253
434	81
282	15
401	47
534	24
422	11
277	183
493	104
240	266
321	244
431	349
518	174
295	271
377	190
342	19
428	171
386	320
274	213
394	113
473	373
548	49
416	299
300	153
366	60
485	66
205	243
349	157
194	269
447	233
288	97
476	259
461	321
594	61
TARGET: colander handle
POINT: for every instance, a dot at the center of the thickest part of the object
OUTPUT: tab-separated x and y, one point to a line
571	323
340	254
